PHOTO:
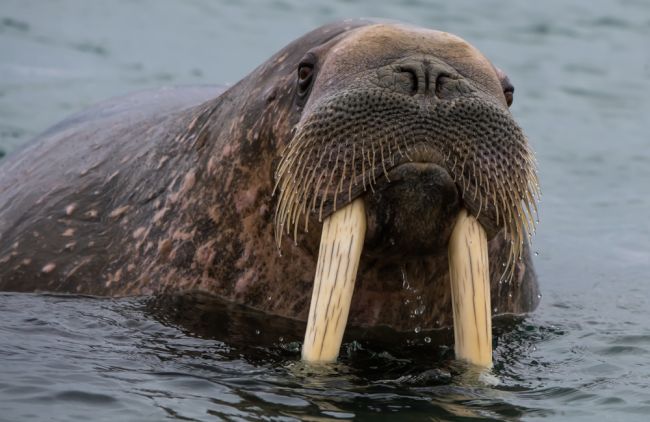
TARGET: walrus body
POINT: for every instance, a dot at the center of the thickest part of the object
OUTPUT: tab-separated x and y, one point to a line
173	191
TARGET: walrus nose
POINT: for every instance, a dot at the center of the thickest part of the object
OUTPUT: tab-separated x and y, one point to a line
419	78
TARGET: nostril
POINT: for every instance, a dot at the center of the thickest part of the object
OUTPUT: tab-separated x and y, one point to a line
441	81
412	76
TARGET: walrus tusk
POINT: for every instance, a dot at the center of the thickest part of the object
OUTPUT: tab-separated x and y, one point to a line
470	291
338	260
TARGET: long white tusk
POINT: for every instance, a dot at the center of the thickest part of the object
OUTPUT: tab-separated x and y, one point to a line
470	291
338	260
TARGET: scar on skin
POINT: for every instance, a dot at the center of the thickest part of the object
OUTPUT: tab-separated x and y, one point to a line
164	248
214	214
112	176
159	215
139	232
193	123
162	161
70	209
48	268
118	212
212	165
78	266
204	255
188	183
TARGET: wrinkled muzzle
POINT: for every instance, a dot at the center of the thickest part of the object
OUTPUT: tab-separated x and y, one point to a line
347	142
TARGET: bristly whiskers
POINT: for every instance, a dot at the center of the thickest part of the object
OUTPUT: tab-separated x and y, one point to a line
350	140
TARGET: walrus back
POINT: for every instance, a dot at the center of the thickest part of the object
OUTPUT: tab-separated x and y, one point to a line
57	191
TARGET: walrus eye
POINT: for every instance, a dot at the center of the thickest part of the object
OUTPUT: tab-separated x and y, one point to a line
509	93
305	77
506	86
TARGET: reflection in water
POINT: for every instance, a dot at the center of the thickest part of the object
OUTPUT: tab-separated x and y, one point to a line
123	355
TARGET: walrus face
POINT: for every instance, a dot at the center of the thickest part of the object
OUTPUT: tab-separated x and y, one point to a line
416	122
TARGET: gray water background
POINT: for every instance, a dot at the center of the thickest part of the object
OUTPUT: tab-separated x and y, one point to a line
582	75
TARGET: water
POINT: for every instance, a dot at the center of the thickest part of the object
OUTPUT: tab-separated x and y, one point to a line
582	77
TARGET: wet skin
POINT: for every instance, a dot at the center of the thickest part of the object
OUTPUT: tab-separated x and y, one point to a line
173	191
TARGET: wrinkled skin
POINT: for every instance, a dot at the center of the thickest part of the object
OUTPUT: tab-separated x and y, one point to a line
173	191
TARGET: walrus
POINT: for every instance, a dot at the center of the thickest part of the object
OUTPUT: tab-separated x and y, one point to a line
225	191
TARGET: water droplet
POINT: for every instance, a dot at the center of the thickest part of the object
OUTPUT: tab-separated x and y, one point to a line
539	296
281	339
417	330
427	339
494	310
257	332
510	295
536	253
405	282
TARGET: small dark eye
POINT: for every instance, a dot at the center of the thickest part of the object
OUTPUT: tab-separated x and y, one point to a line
305	72
305	77
506	86
509	93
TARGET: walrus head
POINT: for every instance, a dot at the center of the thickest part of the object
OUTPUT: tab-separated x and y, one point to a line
416	122
382	137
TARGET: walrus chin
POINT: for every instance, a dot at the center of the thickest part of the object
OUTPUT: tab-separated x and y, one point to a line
346	148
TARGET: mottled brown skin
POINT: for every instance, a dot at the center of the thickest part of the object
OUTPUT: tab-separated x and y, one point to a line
172	192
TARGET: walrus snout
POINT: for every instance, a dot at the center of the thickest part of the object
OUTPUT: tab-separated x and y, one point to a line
424	77
348	141
364	110
413	215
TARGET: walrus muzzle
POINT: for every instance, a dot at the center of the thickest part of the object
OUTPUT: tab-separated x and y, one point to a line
349	143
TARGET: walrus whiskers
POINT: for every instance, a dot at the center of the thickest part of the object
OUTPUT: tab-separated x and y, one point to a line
492	167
